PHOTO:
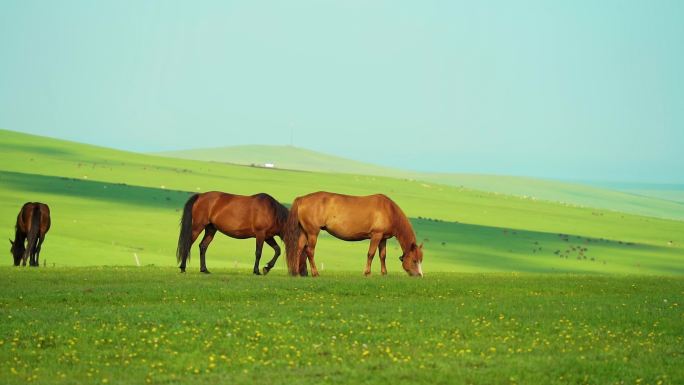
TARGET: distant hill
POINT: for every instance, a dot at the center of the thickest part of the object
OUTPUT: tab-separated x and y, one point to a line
645	200
283	157
668	191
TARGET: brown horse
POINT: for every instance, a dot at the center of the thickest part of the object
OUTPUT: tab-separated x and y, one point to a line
258	216
350	218
33	222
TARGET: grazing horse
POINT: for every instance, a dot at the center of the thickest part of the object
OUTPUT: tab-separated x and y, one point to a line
350	218
33	222
258	216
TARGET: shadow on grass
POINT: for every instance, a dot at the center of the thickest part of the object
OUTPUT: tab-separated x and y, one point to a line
468	244
102	191
511	249
35	149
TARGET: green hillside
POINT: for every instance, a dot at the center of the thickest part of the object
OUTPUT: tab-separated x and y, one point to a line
109	205
647	200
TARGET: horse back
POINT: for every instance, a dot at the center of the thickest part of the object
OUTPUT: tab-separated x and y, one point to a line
347	216
25	217
240	215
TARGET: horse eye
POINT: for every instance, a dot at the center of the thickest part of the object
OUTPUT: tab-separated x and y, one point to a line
401	258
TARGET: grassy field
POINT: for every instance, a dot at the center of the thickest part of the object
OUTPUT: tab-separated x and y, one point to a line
666	201
156	326
109	205
517	290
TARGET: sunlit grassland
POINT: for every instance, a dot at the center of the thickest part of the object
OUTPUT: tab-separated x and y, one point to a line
154	325
654	200
110	205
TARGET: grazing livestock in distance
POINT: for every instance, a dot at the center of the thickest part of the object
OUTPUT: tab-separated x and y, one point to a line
33	222
258	216
350	218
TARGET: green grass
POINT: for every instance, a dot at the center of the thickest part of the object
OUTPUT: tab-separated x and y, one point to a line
108	205
154	325
666	201
517	290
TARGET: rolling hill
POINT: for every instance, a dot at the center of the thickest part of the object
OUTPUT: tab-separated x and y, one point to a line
651	200
110	205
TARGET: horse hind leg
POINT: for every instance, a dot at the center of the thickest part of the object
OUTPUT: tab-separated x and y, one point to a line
272	242
310	251
257	254
195	233
27	254
38	246
300	254
209	232
34	253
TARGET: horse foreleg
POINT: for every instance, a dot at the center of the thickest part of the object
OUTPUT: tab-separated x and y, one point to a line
383	253
209	232
257	254
310	251
375	241
272	242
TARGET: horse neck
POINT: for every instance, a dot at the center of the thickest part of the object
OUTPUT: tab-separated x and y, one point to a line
404	232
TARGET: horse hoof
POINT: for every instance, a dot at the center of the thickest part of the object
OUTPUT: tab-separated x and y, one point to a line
205	271
256	272
182	270
266	270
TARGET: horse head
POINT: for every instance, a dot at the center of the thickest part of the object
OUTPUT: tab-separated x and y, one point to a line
16	253
412	260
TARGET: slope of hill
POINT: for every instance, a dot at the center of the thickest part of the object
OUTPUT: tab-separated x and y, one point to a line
109	206
667	191
283	157
644	201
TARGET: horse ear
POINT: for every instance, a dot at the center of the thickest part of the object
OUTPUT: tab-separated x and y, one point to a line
421	246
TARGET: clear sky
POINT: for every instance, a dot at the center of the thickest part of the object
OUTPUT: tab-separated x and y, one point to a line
566	89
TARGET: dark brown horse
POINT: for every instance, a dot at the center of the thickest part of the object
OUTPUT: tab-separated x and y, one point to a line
350	218
258	216
33	222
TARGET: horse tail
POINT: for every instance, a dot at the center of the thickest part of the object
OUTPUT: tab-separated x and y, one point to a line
291	234
32	237
185	236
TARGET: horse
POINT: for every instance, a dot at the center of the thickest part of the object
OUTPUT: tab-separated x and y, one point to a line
33	222
349	218
257	216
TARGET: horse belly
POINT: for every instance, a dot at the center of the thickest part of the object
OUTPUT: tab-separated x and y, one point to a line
347	234
237	233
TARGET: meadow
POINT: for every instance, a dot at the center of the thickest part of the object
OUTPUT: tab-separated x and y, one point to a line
150	325
517	290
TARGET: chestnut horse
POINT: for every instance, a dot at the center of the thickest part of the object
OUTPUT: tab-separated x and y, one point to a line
33	222
258	216
350	218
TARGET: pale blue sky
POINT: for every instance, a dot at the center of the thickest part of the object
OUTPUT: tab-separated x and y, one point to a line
565	89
